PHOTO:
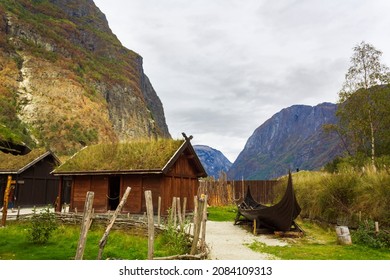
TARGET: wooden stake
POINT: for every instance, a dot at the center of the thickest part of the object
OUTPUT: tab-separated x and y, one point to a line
173	214
159	212
376	227
184	208
179	212
86	223
195	213
18	214
204	219
103	241
149	209
197	228
254	227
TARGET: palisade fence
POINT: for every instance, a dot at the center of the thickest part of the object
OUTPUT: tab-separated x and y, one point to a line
222	192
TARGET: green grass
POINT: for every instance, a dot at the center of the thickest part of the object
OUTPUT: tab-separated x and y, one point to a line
320	243
62	246
222	213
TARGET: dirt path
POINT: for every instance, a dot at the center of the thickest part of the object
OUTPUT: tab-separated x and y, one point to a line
228	242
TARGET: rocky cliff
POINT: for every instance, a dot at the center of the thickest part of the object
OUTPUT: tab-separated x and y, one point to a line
213	161
291	139
66	80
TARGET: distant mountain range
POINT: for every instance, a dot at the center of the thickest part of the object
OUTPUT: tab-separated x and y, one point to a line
212	160
291	139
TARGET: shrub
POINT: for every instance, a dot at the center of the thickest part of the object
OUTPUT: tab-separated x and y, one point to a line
366	235
42	226
176	238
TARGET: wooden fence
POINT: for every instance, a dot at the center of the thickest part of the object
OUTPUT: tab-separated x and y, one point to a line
222	192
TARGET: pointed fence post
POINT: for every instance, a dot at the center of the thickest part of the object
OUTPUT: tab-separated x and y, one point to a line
103	241
149	210
85	224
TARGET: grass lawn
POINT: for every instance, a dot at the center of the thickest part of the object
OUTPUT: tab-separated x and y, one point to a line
62	245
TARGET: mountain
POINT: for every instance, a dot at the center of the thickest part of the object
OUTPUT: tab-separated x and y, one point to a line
291	139
212	160
66	81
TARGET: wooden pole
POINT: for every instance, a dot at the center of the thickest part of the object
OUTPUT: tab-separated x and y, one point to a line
376	227
184	208
195	212
149	210
60	186
86	223
173	214
179	212
18	214
5	201
159	212
198	220
204	220
103	241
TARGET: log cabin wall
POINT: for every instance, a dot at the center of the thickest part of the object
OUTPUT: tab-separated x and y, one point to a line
135	198
95	183
35	186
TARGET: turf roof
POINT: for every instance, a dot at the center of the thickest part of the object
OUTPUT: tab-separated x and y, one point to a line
137	155
13	163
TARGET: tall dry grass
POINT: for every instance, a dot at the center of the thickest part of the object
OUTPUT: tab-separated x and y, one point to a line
345	197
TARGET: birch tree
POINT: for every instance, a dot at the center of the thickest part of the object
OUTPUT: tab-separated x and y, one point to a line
361	96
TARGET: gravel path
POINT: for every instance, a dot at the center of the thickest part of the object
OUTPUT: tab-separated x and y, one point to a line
228	242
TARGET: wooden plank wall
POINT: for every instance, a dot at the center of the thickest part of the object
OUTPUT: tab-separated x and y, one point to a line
263	191
232	192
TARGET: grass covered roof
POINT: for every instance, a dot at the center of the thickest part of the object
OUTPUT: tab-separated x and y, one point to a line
136	155
14	163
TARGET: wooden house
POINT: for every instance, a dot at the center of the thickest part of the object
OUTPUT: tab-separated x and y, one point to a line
169	168
35	185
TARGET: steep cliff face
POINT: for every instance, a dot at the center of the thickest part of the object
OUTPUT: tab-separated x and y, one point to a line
291	139
67	81
213	161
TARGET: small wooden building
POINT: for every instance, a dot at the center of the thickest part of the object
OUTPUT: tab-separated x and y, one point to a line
35	185
169	168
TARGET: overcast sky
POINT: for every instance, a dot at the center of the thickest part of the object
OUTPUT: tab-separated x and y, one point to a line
223	67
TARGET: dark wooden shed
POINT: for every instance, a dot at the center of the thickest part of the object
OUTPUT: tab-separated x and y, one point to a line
169	168
35	185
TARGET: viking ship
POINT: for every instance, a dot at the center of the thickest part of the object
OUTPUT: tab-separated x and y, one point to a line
278	217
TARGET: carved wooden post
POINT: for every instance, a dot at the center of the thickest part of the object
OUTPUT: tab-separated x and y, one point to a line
5	204
103	241
149	210
85	224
